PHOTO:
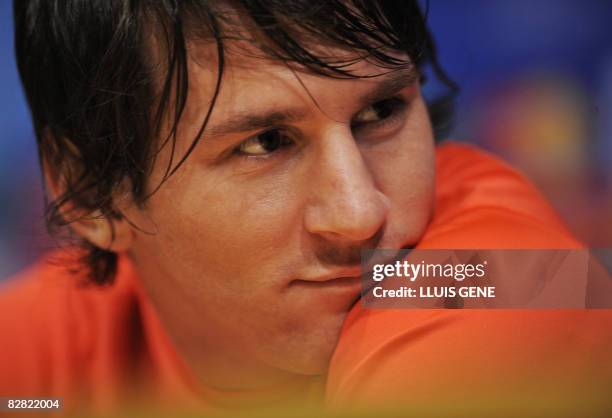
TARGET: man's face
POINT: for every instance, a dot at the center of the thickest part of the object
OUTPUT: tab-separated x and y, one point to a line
254	260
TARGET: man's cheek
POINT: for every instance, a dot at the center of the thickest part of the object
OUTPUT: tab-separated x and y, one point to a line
411	209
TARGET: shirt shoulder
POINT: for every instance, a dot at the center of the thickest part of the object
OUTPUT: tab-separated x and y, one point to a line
95	346
483	202
60	334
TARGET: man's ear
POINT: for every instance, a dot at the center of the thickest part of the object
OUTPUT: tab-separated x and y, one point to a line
111	232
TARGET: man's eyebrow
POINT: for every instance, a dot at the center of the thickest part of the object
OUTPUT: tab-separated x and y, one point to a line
391	85
246	122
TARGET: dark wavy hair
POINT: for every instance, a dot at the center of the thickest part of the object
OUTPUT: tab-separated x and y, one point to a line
97	105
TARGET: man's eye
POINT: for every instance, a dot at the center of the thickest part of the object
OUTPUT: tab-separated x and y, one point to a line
264	143
378	112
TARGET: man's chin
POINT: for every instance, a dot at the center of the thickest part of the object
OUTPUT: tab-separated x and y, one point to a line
310	352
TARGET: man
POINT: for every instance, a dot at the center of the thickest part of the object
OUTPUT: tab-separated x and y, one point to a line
222	164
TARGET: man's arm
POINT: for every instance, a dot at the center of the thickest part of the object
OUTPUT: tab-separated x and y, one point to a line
441	357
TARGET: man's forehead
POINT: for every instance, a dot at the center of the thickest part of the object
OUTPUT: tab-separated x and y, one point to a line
255	106
258	90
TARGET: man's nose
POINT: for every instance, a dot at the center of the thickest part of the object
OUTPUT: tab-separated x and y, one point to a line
346	203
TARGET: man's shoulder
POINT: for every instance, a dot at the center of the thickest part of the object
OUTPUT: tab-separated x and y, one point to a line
473	178
55	286
483	202
51	322
34	296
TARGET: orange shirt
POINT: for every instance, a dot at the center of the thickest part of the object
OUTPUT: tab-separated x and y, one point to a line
477	359
62	338
106	345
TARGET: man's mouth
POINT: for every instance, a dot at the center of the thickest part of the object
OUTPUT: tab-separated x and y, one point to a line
350	277
340	281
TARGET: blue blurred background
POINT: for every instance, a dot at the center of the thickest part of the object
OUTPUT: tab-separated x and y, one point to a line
536	88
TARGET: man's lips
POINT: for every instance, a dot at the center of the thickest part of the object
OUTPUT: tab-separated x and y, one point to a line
335	282
353	272
347	277
341	280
